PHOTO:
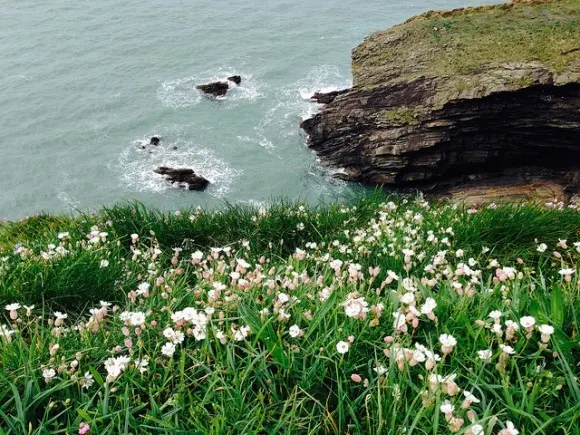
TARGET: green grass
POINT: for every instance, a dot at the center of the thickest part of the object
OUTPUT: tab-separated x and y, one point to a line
466	42
269	381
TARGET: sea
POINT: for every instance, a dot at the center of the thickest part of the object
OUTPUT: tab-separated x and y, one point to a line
85	84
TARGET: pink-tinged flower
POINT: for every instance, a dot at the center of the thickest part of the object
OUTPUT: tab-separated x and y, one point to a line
12	308
447	343
84	428
356	378
567	273
509	429
48	375
546	331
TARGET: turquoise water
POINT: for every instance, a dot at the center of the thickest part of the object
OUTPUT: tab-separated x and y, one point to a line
84	81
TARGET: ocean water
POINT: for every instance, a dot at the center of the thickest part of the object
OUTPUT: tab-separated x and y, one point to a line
84	82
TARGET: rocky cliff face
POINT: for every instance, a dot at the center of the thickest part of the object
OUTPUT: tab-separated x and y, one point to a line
476	96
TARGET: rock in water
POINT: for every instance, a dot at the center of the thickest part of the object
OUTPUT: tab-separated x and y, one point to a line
434	105
154	141
184	177
328	97
236	79
217	89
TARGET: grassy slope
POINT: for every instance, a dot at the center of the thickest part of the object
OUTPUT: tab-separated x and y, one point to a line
271	382
464	42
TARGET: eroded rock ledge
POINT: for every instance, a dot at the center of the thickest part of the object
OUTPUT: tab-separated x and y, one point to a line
468	97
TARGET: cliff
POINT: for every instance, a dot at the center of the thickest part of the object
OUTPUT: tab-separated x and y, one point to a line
486	96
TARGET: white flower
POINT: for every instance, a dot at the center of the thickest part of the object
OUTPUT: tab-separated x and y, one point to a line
446	407
197	256
447	340
143	288
173	336
243	263
407	298
6	332
380	370
527	321
355	307
484	354
168	349
477	429
283	298
567	271
294	331
512	325
60	315
342	347
469	396
546	329
495	315
137	318
428	306
48	374
63	235
510	428
104	263
87	380
459	253
507	349
542	247
12	307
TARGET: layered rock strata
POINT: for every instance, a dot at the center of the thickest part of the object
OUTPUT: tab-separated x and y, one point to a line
436	105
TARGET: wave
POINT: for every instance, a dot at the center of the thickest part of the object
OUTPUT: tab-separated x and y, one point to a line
137	165
178	93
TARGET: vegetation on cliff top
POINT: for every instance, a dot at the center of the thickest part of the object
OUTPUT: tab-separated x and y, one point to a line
388	315
467	41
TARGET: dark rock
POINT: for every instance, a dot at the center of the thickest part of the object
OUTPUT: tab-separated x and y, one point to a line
184	177
407	125
328	97
154	141
217	89
236	79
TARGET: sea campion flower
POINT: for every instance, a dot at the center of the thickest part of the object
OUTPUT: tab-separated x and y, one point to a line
342	347
469	399
447	343
6	333
295	331
567	273
355	307
528	323
546	331
48	375
168	349
60	317
84	428
509	429
12	308
542	247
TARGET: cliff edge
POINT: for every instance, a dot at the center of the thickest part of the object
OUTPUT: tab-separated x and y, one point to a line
483	100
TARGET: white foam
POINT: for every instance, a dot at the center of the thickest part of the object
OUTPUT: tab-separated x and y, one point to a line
137	165
182	92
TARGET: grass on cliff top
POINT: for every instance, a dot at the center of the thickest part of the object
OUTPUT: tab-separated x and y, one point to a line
388	315
446	44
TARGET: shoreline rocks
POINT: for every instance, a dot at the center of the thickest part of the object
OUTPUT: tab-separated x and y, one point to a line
219	89
183	177
442	116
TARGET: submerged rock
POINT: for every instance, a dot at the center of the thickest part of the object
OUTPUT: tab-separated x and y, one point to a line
154	140
217	89
460	98
183	177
